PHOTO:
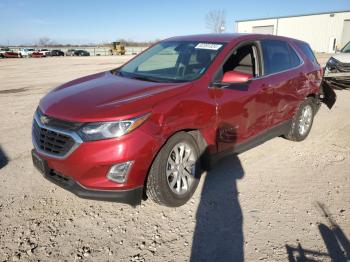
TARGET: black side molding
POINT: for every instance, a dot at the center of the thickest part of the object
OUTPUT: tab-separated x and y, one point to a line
279	130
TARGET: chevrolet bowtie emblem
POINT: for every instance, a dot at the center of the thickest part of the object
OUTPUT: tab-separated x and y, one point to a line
44	120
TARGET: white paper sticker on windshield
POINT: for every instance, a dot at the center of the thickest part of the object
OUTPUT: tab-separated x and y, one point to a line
208	46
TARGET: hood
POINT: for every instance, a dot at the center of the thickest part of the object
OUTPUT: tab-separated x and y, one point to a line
342	57
104	97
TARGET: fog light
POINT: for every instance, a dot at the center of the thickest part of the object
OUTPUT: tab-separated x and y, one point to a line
119	172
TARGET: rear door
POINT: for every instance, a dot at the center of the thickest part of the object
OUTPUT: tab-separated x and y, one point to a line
284	78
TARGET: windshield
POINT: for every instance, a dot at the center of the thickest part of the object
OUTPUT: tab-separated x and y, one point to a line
172	61
346	48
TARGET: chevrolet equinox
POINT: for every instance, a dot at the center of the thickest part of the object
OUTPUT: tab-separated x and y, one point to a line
150	127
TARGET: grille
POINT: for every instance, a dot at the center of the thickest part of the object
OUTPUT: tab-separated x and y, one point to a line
59	178
50	141
342	67
340	84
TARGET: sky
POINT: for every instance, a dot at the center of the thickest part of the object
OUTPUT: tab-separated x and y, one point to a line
87	21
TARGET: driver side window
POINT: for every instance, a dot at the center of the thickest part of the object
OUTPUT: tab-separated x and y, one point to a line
242	60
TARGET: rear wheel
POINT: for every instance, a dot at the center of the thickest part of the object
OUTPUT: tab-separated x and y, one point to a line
175	172
302	122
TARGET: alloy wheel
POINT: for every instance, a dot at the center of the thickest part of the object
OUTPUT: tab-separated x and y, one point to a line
180	168
305	120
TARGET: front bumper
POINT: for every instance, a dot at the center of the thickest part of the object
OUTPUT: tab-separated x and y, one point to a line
83	171
131	196
337	79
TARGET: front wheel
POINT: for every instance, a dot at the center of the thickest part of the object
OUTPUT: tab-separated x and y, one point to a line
302	122
175	172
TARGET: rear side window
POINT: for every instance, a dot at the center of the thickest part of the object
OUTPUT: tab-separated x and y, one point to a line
278	56
307	51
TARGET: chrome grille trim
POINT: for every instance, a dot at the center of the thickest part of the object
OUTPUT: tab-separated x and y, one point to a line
343	67
77	140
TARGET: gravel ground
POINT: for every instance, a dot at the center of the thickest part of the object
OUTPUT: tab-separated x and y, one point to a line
281	201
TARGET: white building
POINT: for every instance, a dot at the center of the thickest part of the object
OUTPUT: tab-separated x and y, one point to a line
325	32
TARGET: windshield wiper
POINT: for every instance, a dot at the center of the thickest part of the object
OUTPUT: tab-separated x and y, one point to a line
138	77
145	78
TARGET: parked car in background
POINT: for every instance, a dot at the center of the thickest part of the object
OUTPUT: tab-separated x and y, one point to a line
7	53
38	54
3	50
337	71
56	52
70	52
45	51
150	127
26	52
81	53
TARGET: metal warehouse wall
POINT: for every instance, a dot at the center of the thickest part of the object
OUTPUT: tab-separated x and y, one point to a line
318	30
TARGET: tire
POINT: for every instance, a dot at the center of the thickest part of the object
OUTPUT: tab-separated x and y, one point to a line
303	120
162	184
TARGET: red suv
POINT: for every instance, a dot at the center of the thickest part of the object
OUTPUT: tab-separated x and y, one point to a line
149	128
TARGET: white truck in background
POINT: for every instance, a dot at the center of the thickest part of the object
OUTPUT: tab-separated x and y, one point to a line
337	71
26	52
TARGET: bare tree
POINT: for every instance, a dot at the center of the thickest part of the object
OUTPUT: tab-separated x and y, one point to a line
215	21
44	41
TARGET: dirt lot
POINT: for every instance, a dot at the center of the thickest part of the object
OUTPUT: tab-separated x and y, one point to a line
277	202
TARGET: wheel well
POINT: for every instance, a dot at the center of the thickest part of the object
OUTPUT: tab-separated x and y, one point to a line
202	144
316	100
316	97
196	134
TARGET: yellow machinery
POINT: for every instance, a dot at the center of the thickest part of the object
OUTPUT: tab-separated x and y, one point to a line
117	48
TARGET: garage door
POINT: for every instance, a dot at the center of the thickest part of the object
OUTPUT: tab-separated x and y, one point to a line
346	33
268	29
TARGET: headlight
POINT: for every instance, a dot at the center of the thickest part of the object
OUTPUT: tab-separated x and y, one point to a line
105	130
331	64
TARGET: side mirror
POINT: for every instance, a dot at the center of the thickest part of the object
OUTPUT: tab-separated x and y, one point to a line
235	77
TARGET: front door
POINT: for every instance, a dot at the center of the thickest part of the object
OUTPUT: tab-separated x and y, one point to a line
243	108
